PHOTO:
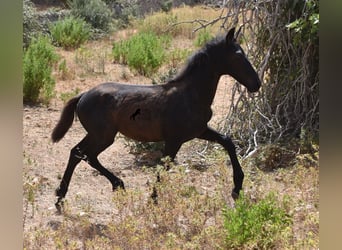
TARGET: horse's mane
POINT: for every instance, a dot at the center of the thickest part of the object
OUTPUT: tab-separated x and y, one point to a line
197	60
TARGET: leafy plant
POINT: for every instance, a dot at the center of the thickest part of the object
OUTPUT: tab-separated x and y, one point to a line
159	23
143	52
68	95
70	32
124	11
38	61
177	56
255	225
95	12
306	26
65	72
91	60
283	45
202	38
30	22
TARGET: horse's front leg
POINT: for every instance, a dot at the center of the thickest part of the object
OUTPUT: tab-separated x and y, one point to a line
238	175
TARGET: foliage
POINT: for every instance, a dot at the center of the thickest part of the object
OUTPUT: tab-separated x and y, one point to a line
282	38
66	96
124	11
91	60
65	72
95	12
30	22
143	52
38	61
178	22
166	5
274	156
70	32
159	23
177	56
255	225
143	148
306	26
202	38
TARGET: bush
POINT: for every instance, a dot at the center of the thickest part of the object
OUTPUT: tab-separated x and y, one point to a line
143	52
255	225
95	12
30	22
179	22
38	61
283	45
203	37
159	23
70	32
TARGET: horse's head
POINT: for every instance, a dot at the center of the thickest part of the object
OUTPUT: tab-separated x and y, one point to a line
237	65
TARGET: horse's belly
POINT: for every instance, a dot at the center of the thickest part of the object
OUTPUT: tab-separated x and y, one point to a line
142	130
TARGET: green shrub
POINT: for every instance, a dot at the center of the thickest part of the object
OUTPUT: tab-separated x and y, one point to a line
66	96
202	38
178	56
39	58
70	32
255	225
143	52
95	12
30	22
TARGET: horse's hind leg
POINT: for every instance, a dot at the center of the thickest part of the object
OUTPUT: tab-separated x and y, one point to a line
76	155
226	142
99	144
88	150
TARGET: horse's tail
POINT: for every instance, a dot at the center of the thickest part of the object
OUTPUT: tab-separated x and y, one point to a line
66	119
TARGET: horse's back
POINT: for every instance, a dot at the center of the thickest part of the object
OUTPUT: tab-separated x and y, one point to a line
133	110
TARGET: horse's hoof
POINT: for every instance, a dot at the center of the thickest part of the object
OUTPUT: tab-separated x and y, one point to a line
119	184
154	196
59	205
235	195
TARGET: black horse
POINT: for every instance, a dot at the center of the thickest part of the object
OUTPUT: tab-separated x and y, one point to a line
174	112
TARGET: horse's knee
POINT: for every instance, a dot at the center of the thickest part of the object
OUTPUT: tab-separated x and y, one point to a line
229	145
79	154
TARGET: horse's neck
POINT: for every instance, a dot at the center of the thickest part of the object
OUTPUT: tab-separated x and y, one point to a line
201	84
205	85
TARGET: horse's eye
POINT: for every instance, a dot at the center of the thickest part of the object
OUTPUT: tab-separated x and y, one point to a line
239	52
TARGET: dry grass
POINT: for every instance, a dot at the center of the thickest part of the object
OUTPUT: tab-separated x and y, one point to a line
179	22
188	214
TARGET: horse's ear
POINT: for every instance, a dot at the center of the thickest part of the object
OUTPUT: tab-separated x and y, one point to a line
230	35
